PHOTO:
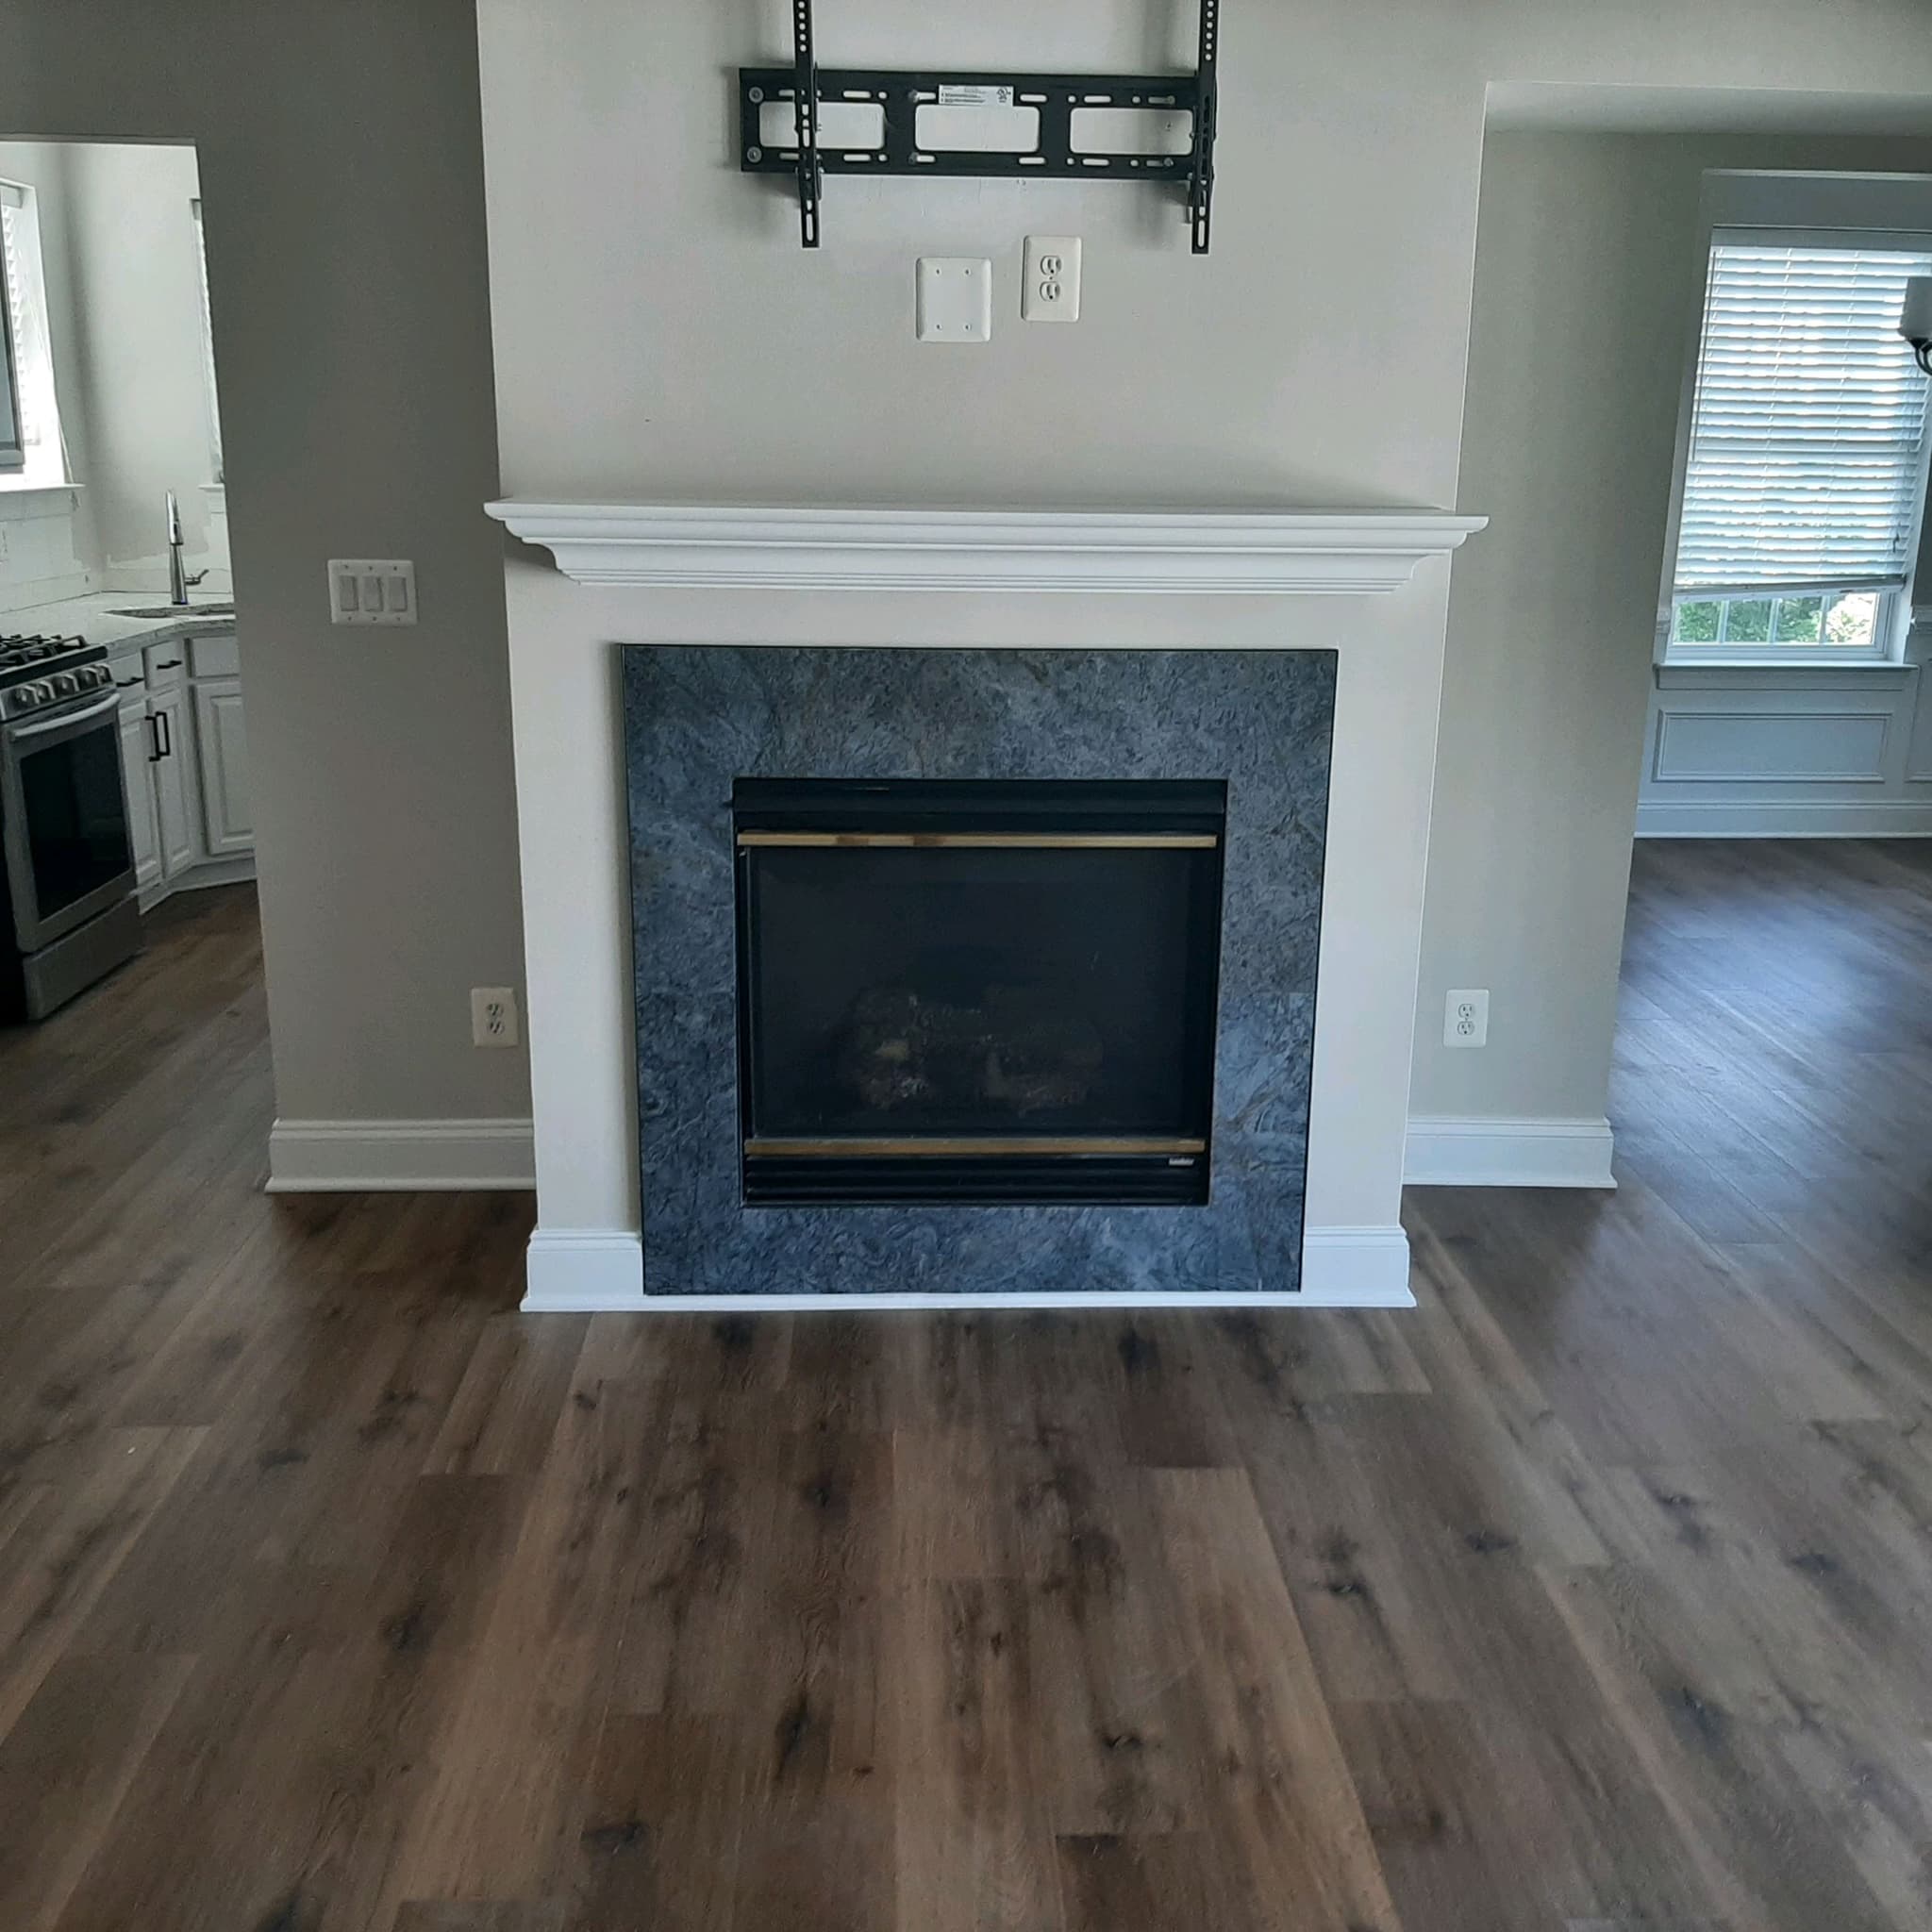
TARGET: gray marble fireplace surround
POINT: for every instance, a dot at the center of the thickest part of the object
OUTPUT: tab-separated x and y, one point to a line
695	719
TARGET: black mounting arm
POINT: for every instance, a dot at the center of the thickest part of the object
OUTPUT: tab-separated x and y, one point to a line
896	150
1201	175
805	101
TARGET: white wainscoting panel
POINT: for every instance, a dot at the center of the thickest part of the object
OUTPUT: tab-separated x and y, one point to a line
1481	1151
401	1156
1822	751
1809	747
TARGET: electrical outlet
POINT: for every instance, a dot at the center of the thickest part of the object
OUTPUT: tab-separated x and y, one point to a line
493	1015
1466	1017
1050	290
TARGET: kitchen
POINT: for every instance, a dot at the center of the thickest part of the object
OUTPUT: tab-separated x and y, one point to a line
123	760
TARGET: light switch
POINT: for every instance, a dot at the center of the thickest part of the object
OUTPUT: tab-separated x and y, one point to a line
954	299
364	590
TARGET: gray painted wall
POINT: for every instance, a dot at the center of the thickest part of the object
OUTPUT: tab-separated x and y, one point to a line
1589	280
341	171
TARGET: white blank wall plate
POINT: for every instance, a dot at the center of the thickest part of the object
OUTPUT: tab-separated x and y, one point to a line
954	299
364	590
1050	284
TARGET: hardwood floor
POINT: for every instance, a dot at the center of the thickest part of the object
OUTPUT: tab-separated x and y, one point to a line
1591	1596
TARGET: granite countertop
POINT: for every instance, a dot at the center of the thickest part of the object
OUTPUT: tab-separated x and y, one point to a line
93	617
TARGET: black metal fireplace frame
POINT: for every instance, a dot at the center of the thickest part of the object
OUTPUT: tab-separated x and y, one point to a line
987	1166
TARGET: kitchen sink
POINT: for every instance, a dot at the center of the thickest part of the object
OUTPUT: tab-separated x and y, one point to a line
179	610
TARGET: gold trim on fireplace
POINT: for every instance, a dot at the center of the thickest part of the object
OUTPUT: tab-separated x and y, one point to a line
833	1149
1117	841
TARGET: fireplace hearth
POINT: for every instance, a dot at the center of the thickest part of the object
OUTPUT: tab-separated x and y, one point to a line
977	991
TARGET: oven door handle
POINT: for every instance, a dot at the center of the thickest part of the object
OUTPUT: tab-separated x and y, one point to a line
44	727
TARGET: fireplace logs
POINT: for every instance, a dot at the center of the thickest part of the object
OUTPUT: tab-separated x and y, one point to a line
1015	1050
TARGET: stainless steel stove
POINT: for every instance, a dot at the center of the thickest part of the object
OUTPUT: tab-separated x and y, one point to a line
67	906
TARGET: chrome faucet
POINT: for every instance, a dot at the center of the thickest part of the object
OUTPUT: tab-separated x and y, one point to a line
180	582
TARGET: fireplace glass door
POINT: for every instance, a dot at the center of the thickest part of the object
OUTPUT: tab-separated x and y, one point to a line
990	991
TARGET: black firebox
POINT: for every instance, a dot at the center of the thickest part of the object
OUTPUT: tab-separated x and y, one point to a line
977	990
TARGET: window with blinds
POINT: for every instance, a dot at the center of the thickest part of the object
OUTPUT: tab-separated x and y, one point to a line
12	442
1807	467
32	456
208	352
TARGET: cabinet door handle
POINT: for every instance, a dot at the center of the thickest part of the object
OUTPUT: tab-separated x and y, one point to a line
153	737
167	734
127	683
169	664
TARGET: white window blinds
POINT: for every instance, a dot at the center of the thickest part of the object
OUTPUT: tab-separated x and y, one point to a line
208	350
1808	439
13	446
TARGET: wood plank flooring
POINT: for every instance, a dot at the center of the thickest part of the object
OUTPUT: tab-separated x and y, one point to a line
1591	1596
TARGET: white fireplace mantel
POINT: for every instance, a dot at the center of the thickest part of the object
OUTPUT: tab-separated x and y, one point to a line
1192	553
642	574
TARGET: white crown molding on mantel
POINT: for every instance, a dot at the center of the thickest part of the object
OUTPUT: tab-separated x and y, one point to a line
1193	553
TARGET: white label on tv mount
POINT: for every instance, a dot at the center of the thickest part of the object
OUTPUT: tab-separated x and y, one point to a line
975	97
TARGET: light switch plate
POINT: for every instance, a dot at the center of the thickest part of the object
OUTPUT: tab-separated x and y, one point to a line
954	299
1050	285
364	590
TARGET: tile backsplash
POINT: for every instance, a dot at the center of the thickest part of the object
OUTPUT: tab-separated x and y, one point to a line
38	560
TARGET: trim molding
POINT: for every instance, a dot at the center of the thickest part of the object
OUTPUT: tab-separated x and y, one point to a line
794	548
600	1271
1886	818
1484	1151
400	1156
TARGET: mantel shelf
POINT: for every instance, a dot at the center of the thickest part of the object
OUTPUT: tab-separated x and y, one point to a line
1191	552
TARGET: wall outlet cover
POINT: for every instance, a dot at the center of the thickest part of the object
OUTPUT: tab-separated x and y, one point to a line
364	590
493	1016
1050	284
954	299
1466	1017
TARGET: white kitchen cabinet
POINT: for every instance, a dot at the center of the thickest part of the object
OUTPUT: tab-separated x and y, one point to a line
144	829
221	737
176	787
184	760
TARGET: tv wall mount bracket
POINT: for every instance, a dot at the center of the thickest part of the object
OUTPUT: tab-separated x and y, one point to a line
806	87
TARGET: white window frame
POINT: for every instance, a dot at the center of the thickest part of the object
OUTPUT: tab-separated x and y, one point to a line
210	393
1796	210
38	403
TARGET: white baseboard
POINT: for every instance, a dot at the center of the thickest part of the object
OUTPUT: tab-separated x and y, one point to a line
600	1270
211	871
584	1272
1481	1151
400	1156
1878	818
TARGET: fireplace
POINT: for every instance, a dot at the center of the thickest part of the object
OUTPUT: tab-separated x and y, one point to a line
977	990
975	971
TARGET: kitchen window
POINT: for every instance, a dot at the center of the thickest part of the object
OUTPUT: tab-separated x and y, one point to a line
1804	482
31	453
207	353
